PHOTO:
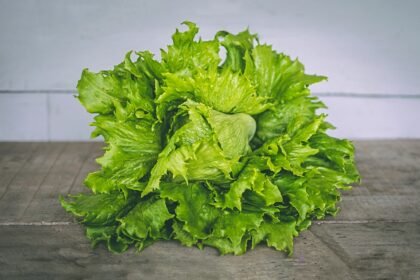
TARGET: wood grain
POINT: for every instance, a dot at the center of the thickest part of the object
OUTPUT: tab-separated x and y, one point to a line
376	235
63	252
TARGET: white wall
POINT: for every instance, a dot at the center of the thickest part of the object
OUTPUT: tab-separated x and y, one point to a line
369	49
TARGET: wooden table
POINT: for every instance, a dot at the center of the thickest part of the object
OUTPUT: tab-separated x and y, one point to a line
376	235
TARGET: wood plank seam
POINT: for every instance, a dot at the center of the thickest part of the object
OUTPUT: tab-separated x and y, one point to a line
36	223
342	256
19	170
342	259
88	156
43	179
317	223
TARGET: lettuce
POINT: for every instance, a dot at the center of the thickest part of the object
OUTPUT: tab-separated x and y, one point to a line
215	152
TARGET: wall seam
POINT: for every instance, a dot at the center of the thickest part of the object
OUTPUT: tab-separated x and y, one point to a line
319	94
48	118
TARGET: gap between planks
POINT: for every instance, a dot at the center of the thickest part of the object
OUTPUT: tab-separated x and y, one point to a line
42	223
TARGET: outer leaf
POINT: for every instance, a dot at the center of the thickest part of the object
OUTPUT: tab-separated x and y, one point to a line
278	235
96	91
234	226
145	220
228	92
182	235
132	151
98	209
253	180
236	48
108	234
185	56
193	208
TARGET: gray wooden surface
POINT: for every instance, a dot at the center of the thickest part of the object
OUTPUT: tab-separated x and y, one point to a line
376	235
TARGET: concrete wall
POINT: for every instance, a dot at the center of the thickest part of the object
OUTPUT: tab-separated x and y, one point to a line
369	49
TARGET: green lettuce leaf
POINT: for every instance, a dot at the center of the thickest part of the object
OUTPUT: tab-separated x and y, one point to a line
146	220
98	209
227	152
193	208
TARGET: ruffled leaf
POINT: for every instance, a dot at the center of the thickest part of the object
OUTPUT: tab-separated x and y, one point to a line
223	152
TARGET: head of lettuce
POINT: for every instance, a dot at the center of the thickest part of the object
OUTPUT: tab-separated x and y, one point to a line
215	152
